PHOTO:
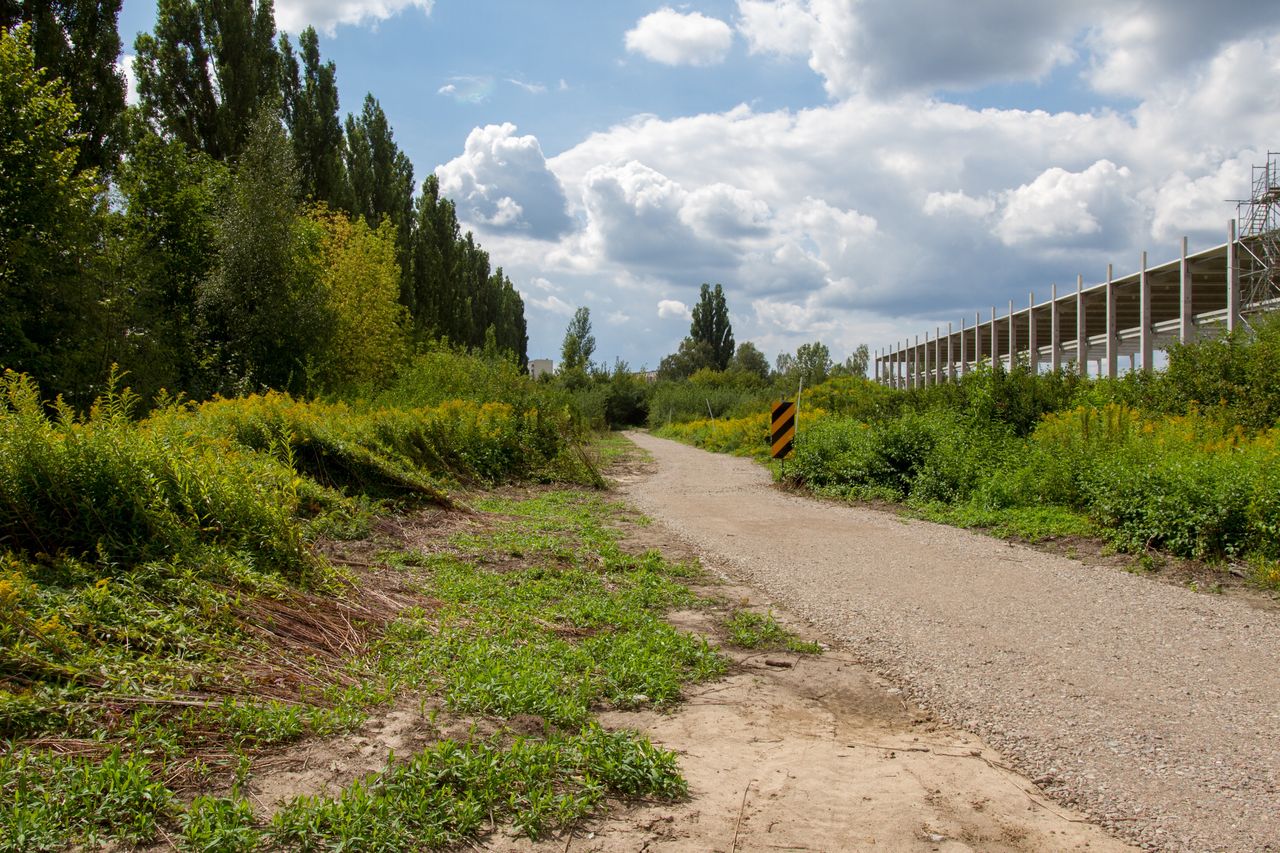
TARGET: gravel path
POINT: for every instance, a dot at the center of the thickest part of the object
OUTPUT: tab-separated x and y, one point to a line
1155	709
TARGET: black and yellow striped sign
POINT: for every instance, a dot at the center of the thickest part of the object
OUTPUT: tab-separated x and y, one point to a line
782	430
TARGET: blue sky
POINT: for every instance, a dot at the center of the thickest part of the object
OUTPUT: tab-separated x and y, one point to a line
853	171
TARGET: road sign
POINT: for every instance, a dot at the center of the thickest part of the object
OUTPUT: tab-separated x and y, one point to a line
782	430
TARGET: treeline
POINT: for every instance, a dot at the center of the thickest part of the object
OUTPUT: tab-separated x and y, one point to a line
230	232
707	375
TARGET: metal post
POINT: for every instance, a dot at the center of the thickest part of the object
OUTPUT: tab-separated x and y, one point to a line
1082	330
1185	306
1233	279
1055	331
1145	342
1113	342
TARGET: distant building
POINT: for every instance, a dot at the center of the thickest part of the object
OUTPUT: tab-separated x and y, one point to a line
539	367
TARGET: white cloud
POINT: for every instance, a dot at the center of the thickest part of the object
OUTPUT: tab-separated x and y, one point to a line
294	16
550	304
784	27
889	210
125	67
1059	207
675	38
531	88
502	182
957	203
468	89
669	308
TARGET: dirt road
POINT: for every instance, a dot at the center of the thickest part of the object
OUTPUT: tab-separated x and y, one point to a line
1152	707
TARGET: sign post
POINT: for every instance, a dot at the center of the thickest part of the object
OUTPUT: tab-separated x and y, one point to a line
782	431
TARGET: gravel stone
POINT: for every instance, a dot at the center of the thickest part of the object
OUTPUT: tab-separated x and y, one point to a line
1154	709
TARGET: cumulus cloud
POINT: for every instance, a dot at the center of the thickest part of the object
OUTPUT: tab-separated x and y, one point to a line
676	38
501	181
669	308
957	204
294	16
1059	207
934	45
890	210
784	27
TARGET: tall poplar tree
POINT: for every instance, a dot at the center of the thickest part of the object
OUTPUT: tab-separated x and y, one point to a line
311	112
711	325
206	70
381	180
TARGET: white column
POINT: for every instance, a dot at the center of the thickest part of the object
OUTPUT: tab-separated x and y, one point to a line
951	359
1113	342
1055	331
964	351
1013	340
995	344
1033	349
1185	332
938	370
1233	279
1082	331
977	337
1145	343
915	364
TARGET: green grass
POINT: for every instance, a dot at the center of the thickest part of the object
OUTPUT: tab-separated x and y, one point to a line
539	613
1033	523
750	630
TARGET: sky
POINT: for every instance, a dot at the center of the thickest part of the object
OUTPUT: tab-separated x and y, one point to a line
852	171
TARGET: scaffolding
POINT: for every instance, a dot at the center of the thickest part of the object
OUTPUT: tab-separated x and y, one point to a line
1259	240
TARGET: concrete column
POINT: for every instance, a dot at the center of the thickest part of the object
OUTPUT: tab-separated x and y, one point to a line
915	364
1113	342
1055	331
951	356
1033	348
977	337
1145	332
1233	279
926	358
995	344
964	351
1013	340
939	371
876	363
1082	331
1185	329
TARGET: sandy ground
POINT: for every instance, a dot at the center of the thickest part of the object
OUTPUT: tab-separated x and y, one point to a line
1152	708
788	752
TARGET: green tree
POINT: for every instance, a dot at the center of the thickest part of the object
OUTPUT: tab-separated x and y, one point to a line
263	302
311	112
749	359
711	325
579	344
813	362
168	232
206	70
382	182
433	296
691	357
855	364
50	222
367	341
78	41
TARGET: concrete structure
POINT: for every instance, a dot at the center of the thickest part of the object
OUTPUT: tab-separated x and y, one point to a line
1134	315
539	367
